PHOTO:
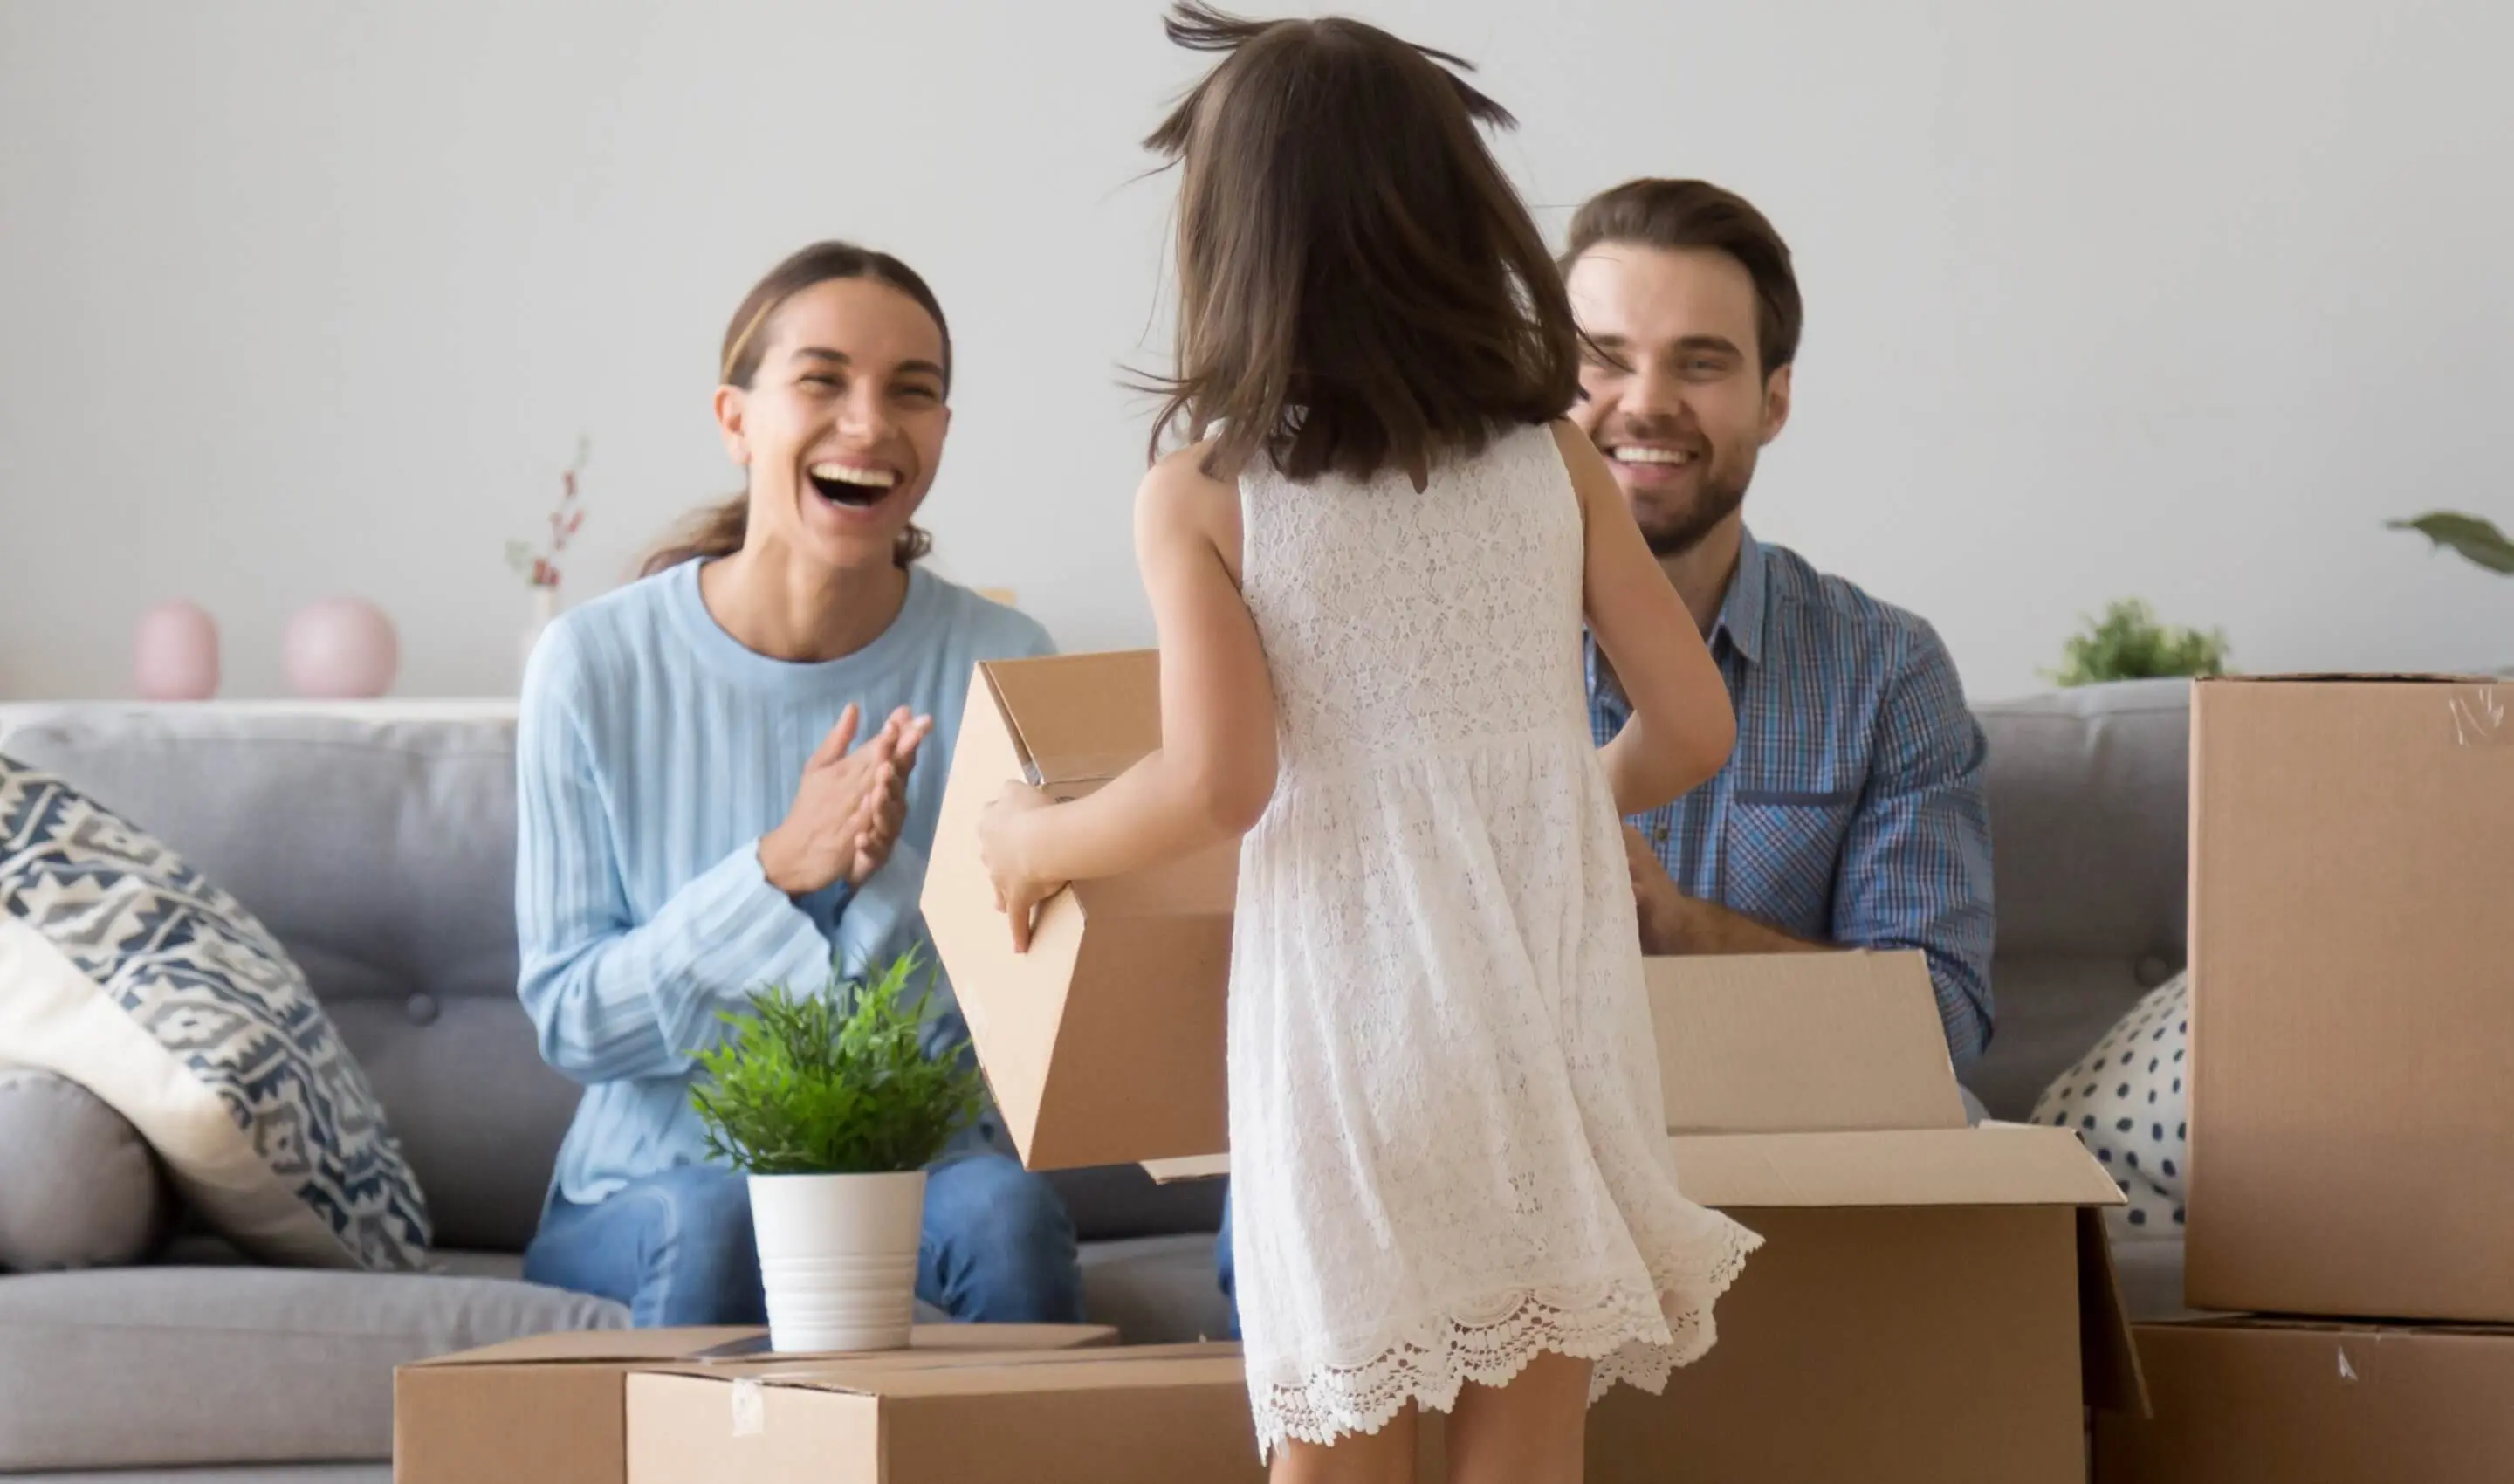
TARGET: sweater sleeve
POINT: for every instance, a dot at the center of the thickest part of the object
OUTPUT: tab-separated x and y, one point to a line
610	997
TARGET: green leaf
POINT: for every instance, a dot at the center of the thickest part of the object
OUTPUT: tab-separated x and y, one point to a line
834	1083
2475	539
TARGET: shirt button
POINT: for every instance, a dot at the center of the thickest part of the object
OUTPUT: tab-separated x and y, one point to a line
2152	972
421	1009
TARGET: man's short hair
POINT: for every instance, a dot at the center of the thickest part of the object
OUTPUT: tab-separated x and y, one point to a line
1676	214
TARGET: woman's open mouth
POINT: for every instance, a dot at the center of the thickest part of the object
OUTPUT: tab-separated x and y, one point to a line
858	487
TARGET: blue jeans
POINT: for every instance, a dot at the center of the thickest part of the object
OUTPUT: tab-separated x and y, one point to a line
677	1247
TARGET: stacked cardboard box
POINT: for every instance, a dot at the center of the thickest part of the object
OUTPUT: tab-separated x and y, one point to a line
1137	1416
2352	1160
552	1409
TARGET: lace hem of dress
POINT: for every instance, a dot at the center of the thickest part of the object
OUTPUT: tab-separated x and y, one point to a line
1615	1326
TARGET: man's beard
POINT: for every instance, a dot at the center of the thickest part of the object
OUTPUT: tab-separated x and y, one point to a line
1677	534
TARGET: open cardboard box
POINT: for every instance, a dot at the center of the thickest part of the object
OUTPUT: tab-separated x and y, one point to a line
550	1408
1151	1415
1104	1044
1932	1302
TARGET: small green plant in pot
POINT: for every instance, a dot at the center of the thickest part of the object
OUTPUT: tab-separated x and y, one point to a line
831	1106
2127	643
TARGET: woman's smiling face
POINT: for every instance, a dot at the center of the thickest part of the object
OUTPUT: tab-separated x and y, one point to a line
841	427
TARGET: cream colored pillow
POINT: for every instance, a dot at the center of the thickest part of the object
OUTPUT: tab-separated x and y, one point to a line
125	972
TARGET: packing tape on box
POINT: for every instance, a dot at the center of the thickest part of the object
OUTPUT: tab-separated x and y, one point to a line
2479	716
749	1408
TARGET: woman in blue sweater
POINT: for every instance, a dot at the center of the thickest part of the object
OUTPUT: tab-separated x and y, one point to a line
725	781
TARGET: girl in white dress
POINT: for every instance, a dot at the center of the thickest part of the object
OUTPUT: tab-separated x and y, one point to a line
1370	569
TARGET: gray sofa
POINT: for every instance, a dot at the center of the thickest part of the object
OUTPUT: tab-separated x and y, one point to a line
377	843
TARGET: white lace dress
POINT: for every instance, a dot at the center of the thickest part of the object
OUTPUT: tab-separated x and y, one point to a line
1445	1123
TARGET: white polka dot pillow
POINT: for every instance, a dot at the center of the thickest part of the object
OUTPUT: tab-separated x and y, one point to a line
125	972
2130	1103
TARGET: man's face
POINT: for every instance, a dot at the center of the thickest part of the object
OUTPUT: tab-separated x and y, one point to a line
1685	414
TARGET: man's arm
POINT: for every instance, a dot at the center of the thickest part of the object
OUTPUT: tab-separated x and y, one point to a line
1916	868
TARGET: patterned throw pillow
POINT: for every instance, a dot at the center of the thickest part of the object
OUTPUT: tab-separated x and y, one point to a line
123	970
2130	1101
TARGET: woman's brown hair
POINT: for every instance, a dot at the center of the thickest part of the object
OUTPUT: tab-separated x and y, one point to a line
1360	286
719	528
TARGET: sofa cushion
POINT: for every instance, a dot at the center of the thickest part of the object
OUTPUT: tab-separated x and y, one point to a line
78	1187
125	970
2050	1010
391	885
140	1367
1163	1290
2089	795
1113	1202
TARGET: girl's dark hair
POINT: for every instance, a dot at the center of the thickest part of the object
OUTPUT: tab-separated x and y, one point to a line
719	529
1359	285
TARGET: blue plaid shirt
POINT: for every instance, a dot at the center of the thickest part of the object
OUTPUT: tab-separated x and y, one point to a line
1851	810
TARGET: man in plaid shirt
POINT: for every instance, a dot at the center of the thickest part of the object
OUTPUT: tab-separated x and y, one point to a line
1851	813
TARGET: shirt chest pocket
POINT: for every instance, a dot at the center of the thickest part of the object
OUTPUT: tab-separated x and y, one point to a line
1784	847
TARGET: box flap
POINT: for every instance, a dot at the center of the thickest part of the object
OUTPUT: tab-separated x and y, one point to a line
2108	1357
751	1347
1782	1043
2330	1326
1193	1167
1802	1042
1002	1373
591	1347
1081	718
2356	677
2001	1166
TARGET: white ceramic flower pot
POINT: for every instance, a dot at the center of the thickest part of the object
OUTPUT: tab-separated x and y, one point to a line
837	1254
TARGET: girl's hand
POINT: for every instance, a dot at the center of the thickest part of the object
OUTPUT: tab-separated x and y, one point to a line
1003	844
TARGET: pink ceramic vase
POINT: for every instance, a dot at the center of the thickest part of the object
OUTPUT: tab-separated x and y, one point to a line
175	654
340	649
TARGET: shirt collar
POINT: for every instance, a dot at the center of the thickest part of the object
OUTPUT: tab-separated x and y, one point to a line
1742	610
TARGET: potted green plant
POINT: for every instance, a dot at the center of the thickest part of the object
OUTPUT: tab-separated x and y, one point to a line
829	1103
2127	643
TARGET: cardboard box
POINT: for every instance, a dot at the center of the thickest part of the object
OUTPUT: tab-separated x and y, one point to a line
1143	1416
549	1409
2352	852
1932	1302
1104	1044
2305	1402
